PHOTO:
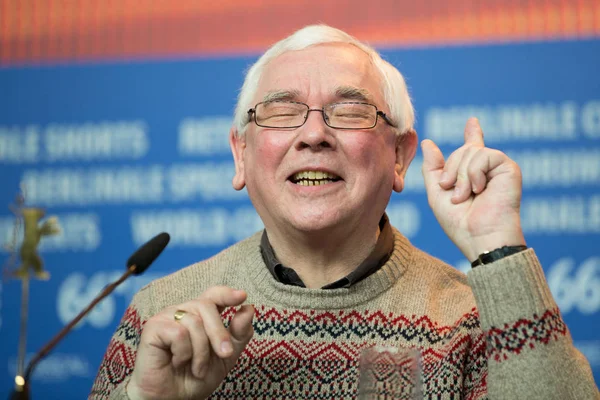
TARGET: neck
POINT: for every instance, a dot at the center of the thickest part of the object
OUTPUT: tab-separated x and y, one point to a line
320	258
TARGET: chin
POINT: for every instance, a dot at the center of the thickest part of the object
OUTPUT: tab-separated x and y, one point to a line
316	221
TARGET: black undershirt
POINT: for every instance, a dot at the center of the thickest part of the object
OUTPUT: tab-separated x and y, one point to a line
376	259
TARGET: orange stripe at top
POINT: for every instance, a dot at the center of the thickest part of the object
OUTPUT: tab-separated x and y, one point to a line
33	31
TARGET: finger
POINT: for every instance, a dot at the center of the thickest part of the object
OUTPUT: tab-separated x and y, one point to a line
488	163
463	187
200	344
208	308
433	165
218	335
450	172
473	132
241	325
478	169
223	296
241	332
176	339
241	329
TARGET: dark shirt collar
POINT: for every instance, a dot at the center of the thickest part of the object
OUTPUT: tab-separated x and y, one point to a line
375	260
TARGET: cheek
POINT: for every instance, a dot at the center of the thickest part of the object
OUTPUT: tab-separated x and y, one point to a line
374	153
268	151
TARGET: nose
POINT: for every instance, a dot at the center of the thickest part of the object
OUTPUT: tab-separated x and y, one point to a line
315	134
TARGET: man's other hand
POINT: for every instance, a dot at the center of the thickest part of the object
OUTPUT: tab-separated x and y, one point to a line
475	194
189	357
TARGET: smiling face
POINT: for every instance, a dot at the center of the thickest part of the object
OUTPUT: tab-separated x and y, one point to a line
314	178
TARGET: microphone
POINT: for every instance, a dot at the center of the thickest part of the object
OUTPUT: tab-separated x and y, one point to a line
145	255
136	265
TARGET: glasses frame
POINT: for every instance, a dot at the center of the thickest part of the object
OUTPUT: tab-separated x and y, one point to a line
379	113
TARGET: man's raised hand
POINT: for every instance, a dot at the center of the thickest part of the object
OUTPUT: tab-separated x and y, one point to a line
189	357
475	194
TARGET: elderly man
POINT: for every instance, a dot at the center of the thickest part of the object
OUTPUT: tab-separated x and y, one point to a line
322	135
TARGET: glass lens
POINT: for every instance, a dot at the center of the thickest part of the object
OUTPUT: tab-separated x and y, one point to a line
352	115
280	114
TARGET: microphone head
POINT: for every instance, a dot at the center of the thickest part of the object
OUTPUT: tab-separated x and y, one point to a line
145	255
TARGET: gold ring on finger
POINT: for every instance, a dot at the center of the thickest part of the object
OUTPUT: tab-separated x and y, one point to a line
179	314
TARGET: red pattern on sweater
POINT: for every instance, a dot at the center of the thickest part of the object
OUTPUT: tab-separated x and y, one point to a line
119	358
454	357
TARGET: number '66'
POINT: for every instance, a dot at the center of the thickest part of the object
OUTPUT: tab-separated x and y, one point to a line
576	287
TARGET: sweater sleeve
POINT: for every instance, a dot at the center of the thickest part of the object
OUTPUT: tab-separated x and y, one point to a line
529	350
118	362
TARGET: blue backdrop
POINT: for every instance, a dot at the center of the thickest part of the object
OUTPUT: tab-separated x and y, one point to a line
122	151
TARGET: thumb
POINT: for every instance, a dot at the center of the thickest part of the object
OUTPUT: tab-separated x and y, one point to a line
433	164
241	331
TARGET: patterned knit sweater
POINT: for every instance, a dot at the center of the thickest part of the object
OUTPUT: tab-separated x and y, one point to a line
497	334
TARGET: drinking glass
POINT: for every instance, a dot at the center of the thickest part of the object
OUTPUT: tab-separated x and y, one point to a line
390	373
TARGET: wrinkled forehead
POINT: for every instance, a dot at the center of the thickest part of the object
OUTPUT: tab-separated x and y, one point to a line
329	71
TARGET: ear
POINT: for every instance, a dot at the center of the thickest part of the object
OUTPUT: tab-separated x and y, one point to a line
238	145
406	147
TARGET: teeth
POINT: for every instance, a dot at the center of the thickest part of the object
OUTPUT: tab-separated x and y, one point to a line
306	182
313	175
314	178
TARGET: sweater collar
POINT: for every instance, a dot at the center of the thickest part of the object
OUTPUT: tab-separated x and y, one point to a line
281	295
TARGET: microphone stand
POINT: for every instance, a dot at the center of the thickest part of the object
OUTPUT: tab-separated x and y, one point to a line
22	391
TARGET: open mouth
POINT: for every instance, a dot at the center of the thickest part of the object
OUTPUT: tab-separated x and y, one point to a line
313	178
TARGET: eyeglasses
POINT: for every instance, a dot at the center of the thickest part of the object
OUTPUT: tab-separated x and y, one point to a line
292	114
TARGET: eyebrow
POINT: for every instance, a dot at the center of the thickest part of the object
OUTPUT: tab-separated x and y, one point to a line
353	93
281	95
342	92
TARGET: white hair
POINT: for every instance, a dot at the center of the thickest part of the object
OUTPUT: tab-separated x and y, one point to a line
395	92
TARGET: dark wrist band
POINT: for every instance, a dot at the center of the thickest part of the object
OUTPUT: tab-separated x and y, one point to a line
494	255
